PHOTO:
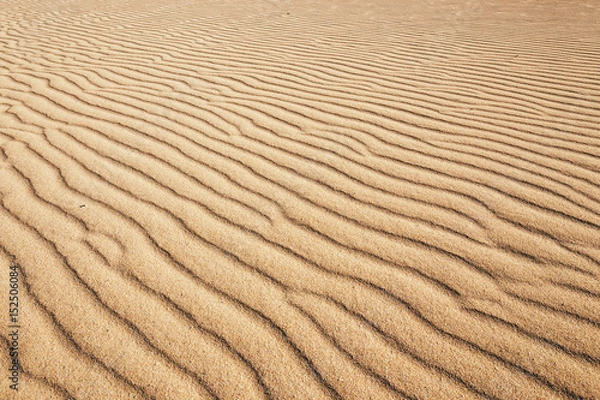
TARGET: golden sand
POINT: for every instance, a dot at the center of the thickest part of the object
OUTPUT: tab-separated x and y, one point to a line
300	199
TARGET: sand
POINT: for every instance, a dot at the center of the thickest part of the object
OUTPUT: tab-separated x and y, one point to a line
300	199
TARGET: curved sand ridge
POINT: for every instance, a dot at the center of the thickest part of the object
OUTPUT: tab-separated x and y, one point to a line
301	199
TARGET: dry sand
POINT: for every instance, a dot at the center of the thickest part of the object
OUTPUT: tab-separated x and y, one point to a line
301	199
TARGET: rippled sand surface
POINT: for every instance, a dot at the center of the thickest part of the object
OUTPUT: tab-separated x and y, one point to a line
301	199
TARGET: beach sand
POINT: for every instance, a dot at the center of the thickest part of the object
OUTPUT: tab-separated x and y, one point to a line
300	199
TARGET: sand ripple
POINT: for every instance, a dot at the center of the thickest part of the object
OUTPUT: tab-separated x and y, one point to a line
301	199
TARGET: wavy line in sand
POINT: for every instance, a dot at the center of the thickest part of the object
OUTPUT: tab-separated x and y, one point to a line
267	201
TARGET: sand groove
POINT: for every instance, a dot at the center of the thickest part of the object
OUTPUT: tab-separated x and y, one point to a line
302	200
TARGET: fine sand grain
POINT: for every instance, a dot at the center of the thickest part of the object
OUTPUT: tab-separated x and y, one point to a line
301	199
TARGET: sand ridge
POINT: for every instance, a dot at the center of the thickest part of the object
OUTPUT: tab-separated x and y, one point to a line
260	199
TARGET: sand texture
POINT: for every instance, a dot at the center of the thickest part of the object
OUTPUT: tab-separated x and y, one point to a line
301	199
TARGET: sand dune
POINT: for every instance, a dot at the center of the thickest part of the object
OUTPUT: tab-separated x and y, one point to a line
301	200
